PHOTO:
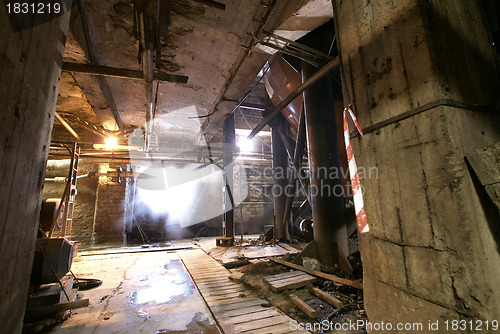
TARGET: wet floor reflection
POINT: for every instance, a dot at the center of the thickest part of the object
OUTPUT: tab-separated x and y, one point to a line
174	283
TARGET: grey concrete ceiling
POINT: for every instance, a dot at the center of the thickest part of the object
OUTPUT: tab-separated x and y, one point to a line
213	47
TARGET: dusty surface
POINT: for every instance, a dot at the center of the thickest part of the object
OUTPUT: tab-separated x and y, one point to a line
141	293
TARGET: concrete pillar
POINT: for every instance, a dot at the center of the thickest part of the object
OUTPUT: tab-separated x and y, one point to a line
430	254
30	65
229	145
327	198
280	175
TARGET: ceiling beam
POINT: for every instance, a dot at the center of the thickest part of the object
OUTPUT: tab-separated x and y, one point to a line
108	71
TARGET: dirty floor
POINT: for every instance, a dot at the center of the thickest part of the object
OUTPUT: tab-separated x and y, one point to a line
148	292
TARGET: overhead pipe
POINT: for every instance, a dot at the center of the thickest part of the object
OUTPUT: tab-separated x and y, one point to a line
67	126
333	64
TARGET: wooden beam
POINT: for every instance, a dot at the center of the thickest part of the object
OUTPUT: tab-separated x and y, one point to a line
212	3
311	313
91	53
341	280
326	297
120	72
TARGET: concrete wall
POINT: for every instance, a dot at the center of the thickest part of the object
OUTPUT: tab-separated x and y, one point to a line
430	254
30	65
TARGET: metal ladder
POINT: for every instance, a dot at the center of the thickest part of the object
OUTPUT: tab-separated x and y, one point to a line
70	199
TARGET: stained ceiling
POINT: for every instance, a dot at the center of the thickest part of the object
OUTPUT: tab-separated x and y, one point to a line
217	49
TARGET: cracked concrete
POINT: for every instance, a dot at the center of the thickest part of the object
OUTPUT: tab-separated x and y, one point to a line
141	293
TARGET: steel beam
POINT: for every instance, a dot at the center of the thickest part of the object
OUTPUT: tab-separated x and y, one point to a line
229	139
297	162
280	174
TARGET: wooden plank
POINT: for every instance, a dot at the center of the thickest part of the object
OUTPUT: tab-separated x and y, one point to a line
209	285
55	308
344	281
292	285
234	313
288	248
284	275
326	297
245	310
244	318
311	313
292	280
297	279
225	292
236	305
261	323
225	296
277	329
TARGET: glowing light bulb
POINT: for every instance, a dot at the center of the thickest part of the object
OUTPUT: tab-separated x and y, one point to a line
111	143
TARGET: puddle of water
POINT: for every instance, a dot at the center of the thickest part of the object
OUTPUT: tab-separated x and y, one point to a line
173	284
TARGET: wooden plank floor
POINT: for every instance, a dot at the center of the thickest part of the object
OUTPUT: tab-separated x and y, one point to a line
290	280
232	305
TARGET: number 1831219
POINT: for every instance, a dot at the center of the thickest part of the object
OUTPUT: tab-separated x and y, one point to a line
33	8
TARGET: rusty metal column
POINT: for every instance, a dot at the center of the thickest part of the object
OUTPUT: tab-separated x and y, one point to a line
327	199
280	171
229	142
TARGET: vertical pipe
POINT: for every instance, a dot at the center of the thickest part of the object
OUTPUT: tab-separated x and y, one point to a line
327	200
148	68
229	140
280	171
297	163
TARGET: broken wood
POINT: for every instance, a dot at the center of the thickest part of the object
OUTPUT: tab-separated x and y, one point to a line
330	277
311	313
237	276
326	297
288	281
236	263
55	308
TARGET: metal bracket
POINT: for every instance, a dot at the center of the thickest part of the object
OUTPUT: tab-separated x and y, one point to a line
292	48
